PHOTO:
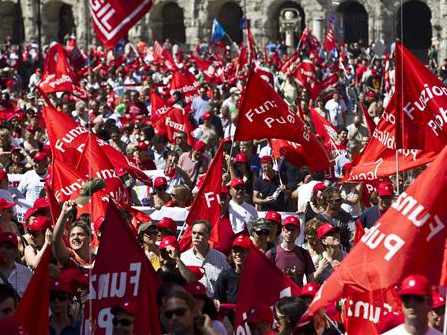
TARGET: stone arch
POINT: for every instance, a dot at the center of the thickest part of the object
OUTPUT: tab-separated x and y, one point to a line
57	21
167	22
11	22
230	15
352	21
273	13
413	25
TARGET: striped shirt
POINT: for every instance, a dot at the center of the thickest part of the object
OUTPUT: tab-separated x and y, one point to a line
212	264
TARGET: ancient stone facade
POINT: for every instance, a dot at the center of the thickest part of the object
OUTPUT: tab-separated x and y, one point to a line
188	21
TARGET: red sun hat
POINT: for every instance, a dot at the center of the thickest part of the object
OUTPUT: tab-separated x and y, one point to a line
61	286
325	229
236	182
310	289
262	313
273	216
242	241
160	182
169	241
40	156
6	204
39	223
385	189
319	187
415	285
291	220
241	158
167	223
41	203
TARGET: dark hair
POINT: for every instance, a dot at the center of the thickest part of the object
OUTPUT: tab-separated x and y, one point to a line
6	292
181	294
81	224
292	308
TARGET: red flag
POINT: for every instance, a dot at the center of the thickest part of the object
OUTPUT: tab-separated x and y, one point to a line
58	75
36	320
176	119
324	129
261	283
411	232
363	311
159	107
186	83
206	205
379	157
264	114
329	43
369	121
112	19
294	153
306	74
309	41
421	100
128	266
164	56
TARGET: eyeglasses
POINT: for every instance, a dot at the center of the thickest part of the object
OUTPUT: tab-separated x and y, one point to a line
122	322
59	296
262	232
177	312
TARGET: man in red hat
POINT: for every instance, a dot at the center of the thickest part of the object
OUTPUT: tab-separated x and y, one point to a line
385	194
124	318
11	272
267	190
6	217
416	295
32	182
240	211
195	162
436	315
291	259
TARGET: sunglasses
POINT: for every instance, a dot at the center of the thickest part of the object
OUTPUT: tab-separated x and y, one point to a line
177	312
239	188
122	322
262	232
59	296
407	299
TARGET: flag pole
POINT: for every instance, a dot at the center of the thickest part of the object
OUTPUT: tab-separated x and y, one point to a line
444	291
397	173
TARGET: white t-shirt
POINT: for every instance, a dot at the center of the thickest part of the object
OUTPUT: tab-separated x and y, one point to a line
305	192
241	215
31	185
400	330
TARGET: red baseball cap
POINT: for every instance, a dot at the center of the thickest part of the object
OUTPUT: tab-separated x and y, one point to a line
262	313
126	307
160	182
242	241
273	216
168	241
3	175
206	116
30	212
41	203
167	223
7	237
310	289
415	285
196	289
199	146
39	223
291	220
266	159
437	299
6	204
319	187
241	158
40	156
325	229
236	182
385	189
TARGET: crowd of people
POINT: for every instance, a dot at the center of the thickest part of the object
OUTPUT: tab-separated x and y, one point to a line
304	221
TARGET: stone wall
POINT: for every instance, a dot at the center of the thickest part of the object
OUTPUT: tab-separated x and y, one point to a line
198	15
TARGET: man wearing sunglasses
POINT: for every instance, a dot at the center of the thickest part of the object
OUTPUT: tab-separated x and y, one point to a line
416	296
123	318
260	233
240	212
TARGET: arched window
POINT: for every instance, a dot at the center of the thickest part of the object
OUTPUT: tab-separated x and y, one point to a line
353	22
414	25
230	16
173	25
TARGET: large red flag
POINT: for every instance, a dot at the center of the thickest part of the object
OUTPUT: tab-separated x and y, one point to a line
330	43
58	75
112	19
128	266
261	283
324	129
164	56
159	107
411	232
176	119
421	100
35	320
369	120
379	157
206	205
264	114
186	83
